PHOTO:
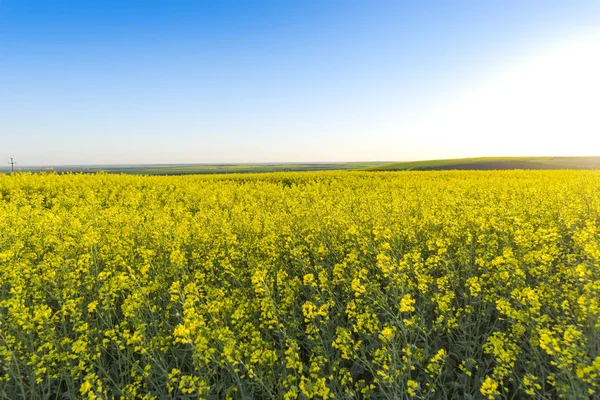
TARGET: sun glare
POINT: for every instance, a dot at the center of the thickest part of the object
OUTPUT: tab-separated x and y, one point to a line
544	105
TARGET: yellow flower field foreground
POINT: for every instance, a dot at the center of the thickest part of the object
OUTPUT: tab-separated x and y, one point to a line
301	285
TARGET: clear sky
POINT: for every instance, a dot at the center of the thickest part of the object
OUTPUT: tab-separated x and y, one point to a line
176	81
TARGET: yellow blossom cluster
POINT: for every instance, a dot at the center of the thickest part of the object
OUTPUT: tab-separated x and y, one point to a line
301	285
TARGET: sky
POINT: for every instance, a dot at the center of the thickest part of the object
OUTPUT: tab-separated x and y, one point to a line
148	82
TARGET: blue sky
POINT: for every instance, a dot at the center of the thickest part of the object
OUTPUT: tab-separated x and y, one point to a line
96	82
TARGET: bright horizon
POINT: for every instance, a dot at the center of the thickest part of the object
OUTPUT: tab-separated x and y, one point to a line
159	82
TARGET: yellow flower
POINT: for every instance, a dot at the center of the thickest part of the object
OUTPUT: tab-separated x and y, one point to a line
406	303
387	334
413	386
92	306
489	388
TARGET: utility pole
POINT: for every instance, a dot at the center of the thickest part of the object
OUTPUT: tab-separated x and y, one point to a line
12	165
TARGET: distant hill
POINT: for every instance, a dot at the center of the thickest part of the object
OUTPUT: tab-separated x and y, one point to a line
494	163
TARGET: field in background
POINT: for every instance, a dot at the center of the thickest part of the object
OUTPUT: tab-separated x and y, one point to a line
301	285
483	163
494	163
190	169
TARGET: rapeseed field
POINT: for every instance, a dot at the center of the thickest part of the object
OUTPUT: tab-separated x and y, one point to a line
398	285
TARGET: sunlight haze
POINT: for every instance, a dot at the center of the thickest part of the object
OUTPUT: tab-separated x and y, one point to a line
544	104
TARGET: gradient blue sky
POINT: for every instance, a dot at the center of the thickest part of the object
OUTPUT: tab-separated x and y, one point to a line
96	82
